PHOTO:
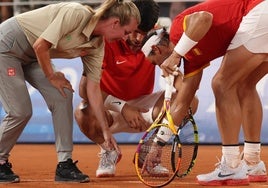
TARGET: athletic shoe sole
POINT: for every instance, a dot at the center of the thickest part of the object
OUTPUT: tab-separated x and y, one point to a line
227	182
60	179
257	178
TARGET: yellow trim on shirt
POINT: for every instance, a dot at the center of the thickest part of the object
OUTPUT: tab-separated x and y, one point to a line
196	71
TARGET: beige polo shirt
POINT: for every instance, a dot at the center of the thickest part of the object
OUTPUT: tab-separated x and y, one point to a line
68	27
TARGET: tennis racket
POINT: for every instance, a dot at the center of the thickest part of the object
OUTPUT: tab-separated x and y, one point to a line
188	134
160	172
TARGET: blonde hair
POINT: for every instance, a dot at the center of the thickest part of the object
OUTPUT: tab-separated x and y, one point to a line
118	8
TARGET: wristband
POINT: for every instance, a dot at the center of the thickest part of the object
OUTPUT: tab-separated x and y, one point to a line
163	134
184	45
114	104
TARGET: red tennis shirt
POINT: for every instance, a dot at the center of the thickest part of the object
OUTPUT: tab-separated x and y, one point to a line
126	74
227	15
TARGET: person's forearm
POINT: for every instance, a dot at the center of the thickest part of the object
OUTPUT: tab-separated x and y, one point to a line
184	97
96	102
41	48
82	88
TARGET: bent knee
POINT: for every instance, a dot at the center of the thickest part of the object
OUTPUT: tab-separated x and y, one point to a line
56	100
21	115
87	124
219	85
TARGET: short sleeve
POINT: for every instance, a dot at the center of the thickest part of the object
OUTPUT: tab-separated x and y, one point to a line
92	63
64	22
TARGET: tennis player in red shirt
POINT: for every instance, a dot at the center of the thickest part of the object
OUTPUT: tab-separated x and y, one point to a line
127	84
127	76
201	34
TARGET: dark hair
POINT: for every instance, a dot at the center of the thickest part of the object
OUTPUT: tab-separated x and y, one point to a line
149	12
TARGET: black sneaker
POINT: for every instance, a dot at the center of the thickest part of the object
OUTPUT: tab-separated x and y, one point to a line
67	171
7	175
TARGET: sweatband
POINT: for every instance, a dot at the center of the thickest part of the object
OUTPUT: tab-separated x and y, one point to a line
147	47
114	104
184	45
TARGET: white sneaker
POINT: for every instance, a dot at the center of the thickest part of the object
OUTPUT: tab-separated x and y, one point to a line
257	173
159	171
224	175
108	160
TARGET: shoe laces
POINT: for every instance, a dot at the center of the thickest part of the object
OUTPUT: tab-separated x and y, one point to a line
72	166
106	159
219	165
222	166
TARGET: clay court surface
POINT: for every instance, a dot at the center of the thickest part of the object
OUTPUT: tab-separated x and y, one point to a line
36	163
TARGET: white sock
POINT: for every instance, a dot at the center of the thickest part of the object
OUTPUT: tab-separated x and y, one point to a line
252	153
231	155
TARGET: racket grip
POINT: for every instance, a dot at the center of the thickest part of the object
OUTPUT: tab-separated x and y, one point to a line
169	86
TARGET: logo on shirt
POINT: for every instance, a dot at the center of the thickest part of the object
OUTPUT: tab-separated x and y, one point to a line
68	37
120	62
11	71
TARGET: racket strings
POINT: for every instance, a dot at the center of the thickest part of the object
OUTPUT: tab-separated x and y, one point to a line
161	172
188	135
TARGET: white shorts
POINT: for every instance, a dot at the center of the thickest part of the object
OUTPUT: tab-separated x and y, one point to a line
253	30
146	102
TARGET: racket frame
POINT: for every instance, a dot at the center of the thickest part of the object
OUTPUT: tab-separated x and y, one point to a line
165	111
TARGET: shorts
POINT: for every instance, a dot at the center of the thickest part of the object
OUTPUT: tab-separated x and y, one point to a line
253	30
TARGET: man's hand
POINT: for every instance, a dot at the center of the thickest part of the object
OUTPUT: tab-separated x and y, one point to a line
134	118
58	80
110	142
153	158
171	64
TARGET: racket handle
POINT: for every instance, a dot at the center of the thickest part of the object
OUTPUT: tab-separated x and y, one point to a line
169	86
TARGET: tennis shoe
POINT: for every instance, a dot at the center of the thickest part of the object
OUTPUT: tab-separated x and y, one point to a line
257	173
7	175
224	175
145	148
158	171
107	164
67	171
